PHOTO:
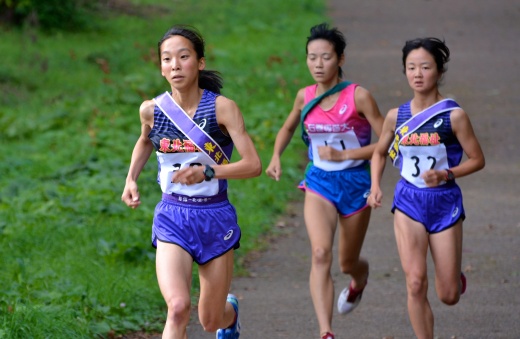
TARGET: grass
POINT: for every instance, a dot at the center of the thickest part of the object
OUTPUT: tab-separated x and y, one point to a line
76	262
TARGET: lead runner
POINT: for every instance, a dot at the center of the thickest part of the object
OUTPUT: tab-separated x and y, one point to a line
193	130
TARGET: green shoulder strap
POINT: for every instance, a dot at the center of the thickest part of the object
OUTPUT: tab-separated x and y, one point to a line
310	105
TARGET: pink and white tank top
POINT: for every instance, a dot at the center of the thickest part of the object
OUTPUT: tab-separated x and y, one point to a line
340	127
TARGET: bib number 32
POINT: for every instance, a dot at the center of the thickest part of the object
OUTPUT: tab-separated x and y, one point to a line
419	159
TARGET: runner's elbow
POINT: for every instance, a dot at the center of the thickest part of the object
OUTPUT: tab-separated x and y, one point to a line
256	168
482	163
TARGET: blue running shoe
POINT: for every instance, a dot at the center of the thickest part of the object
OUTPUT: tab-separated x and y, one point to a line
232	332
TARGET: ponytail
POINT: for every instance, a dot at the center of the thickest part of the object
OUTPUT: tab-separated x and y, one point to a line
210	80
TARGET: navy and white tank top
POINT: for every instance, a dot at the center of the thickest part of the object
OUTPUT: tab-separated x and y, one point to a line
431	146
175	151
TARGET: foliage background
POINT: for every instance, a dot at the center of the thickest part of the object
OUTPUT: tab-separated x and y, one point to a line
76	262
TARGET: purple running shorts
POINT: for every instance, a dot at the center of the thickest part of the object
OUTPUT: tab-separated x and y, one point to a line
205	227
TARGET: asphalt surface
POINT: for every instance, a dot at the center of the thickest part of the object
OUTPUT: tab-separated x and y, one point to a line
483	76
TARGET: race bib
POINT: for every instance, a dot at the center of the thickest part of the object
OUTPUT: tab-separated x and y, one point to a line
419	159
170	163
339	141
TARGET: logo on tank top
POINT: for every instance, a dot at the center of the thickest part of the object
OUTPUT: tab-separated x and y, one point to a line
455	212
229	234
202	124
343	109
438	123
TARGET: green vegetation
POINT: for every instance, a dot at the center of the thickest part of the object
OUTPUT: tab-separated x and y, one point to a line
76	262
50	15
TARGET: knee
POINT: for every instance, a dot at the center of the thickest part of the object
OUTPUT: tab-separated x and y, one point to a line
209	324
417	287
450	300
210	318
179	309
449	297
321	256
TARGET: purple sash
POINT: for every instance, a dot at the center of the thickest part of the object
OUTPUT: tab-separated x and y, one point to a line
197	135
415	122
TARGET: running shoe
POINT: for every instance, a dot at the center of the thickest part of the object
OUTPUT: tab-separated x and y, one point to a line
327	335
349	298
232	332
463	283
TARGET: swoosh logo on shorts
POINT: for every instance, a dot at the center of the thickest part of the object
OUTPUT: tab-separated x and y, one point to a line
229	234
367	193
455	212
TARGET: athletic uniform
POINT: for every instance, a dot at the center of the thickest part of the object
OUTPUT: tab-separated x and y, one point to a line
431	146
346	184
199	217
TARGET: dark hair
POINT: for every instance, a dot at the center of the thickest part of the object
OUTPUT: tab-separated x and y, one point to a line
210	80
436	47
333	35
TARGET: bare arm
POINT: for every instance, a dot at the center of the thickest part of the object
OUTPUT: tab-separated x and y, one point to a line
284	136
249	165
366	106
140	155
378	160
463	130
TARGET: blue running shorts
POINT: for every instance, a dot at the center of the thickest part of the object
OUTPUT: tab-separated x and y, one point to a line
347	189
205	227
437	208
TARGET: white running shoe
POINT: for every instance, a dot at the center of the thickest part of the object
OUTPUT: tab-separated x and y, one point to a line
349	298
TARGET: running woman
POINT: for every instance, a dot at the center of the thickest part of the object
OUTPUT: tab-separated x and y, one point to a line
426	138
193	130
338	118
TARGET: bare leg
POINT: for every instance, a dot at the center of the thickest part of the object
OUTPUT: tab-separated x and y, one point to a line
173	266
446	249
351	236
412	243
321	222
215	281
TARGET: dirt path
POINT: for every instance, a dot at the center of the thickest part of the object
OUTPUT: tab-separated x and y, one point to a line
484	77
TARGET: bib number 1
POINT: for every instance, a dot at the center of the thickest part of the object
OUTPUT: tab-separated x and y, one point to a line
339	141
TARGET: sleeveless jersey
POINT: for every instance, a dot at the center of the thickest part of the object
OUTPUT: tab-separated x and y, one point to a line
431	146
340	127
175	151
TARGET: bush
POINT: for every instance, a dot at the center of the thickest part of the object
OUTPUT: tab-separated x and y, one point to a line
48	14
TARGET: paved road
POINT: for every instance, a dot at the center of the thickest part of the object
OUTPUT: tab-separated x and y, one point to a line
483	76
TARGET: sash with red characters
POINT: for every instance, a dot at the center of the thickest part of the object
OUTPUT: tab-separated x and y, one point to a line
415	122
194	132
